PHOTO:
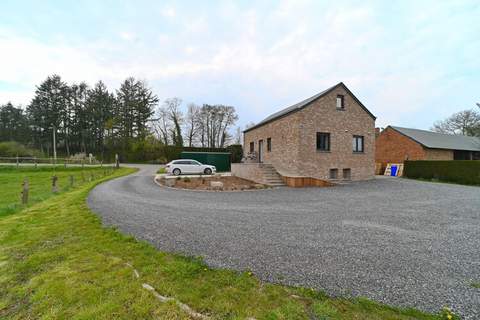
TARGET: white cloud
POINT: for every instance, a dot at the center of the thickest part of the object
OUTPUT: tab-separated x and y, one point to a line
169	12
128	36
265	59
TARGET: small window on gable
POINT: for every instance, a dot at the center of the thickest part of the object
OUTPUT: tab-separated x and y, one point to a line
269	144
252	146
340	102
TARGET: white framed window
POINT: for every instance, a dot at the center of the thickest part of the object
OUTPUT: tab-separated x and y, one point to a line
358	144
340	102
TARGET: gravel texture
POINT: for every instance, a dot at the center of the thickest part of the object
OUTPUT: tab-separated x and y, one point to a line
397	241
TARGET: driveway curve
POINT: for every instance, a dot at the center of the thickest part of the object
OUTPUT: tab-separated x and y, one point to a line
401	242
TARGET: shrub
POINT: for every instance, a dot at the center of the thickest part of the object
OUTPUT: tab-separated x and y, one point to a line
458	171
236	151
13	149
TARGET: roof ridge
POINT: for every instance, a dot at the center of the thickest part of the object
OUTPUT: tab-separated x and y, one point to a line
437	140
434	132
299	105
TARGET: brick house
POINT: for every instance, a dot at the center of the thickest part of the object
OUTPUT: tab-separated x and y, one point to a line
330	136
396	144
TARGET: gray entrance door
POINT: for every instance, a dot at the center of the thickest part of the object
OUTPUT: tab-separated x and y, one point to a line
260	151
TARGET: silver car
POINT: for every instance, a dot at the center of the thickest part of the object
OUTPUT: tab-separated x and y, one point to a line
189	166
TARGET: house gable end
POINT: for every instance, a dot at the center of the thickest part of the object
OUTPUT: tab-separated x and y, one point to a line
301	105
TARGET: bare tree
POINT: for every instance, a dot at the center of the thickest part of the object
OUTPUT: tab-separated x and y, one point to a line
238	136
214	124
465	122
172	105
162	125
228	117
192	123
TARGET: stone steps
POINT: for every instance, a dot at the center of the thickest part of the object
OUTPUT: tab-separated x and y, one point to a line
271	176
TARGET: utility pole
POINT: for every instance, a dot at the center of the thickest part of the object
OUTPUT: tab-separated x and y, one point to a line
54	146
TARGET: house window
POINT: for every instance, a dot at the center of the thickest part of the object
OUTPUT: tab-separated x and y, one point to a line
252	146
347	174
333	173
358	144
323	141
340	102
269	144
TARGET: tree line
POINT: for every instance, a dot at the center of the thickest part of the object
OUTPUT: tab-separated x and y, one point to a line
129	120
466	122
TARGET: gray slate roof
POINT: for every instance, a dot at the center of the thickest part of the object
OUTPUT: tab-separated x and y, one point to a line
435	140
303	104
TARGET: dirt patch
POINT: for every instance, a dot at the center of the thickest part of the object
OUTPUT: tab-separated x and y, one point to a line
211	183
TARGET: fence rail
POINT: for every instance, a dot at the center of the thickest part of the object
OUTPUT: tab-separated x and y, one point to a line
63	183
50	161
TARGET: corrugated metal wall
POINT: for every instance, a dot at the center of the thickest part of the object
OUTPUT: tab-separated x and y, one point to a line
221	160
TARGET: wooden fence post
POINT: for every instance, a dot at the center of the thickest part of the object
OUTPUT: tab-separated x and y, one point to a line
17	162
65	163
35	160
117	161
71	180
25	188
54	184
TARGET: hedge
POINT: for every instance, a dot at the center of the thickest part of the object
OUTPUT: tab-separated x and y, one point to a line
458	171
161	154
13	149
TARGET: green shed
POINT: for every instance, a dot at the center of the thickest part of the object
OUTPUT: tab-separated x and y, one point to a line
221	160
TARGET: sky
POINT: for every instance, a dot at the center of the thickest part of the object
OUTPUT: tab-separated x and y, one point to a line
409	62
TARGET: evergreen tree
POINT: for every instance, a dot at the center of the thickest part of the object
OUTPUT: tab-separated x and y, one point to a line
47	111
13	124
99	108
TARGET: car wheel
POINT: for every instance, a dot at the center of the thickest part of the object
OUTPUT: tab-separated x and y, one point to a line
176	172
207	171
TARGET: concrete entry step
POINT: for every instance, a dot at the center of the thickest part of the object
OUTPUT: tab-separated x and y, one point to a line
271	176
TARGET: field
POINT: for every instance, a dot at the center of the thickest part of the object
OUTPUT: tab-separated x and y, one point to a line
40	183
58	262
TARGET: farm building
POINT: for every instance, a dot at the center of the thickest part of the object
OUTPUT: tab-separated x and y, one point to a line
397	144
329	136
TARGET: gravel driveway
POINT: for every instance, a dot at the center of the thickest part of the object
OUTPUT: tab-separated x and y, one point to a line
396	241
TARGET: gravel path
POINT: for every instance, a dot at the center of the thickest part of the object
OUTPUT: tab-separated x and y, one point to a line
396	241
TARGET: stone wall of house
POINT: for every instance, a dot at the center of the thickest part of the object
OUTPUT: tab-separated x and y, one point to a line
284	135
342	124
294	151
249	171
438	154
394	147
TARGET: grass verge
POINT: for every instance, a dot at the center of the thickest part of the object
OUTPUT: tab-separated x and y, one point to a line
162	170
57	261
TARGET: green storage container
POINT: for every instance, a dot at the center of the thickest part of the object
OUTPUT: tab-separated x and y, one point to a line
221	160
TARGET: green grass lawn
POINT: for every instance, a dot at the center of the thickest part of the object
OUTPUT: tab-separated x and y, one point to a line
40	181
58	262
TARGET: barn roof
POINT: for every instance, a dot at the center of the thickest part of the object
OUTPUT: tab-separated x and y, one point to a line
435	140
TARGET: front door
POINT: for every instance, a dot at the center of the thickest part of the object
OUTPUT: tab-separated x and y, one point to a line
260	151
